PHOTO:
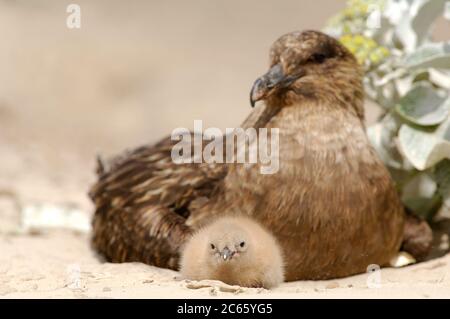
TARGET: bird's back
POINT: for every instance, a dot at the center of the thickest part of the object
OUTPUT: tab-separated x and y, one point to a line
142	199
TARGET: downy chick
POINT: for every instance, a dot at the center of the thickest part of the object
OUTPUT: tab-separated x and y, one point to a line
235	250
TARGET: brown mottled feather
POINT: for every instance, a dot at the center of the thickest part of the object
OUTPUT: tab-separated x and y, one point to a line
332	205
142	200
141	204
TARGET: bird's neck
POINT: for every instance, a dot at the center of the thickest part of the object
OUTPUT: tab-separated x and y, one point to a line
341	90
338	97
335	107
313	117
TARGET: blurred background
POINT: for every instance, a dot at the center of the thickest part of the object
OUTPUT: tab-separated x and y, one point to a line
133	72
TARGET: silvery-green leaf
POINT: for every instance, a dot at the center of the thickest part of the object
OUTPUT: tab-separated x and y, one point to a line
420	75
369	88
424	105
403	85
385	36
440	77
394	74
424	207
373	20
374	134
435	55
423	148
421	185
419	193
426	12
402	176
395	10
443	130
442	176
382	137
381	35
387	95
414	26
447	11
406	34
383	95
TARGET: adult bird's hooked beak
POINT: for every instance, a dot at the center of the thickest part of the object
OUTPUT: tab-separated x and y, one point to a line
265	85
226	254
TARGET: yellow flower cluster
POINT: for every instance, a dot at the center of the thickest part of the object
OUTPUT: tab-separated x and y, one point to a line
356	9
366	50
353	17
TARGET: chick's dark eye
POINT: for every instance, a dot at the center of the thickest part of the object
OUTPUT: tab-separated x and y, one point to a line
212	246
242	244
317	58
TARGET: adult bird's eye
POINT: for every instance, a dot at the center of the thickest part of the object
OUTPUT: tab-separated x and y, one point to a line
242	244
318	57
212	246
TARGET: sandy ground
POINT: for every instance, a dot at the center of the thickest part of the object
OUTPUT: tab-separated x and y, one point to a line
60	264
134	72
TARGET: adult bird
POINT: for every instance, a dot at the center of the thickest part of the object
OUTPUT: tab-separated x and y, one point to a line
332	205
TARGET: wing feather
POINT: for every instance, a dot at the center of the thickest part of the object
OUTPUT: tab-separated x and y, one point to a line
142	200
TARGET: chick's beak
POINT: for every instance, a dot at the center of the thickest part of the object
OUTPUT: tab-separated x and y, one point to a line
226	254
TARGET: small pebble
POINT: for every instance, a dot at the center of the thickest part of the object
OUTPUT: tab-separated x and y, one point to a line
213	291
332	285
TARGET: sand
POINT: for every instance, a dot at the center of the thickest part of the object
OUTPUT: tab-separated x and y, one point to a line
60	264
132	74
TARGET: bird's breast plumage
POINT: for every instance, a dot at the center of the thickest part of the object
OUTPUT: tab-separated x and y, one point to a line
330	181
